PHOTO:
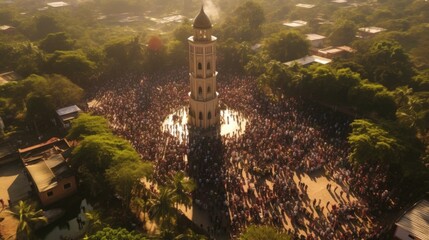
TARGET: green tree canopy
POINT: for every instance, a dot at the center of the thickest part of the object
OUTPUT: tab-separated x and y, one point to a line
233	55
343	33
371	142
263	233
387	63
125	54
286	46
28	216
116	234
245	23
56	41
86	125
373	98
72	64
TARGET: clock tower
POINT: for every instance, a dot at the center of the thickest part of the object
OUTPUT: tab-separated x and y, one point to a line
203	98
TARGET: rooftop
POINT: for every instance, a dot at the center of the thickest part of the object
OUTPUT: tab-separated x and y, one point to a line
5	27
416	220
8	77
53	145
313	37
57	4
68	110
296	23
372	29
47	171
202	21
304	5
308	60
45	163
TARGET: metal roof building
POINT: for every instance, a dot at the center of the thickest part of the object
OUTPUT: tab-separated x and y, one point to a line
414	223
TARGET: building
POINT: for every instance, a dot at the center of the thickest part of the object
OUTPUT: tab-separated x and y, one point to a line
335	52
8	77
316	40
414	223
67	114
204	109
304	5
308	60
368	32
48	170
57	4
7	29
295	24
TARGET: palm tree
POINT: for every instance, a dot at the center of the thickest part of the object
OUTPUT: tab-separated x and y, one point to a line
94	220
162	208
190	235
28	217
182	187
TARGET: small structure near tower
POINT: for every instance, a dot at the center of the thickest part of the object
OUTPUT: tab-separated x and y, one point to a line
204	110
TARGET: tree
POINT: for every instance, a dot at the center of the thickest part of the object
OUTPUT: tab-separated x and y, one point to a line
373	98
28	217
245	23
182	187
86	125
162	208
155	54
190	235
276	75
286	46
343	33
72	64
387	63
94	221
94	155
263	233
124	54
233	55
44	25
40	108
177	53
183	32
115	233
413	109
371	142
56	41
126	174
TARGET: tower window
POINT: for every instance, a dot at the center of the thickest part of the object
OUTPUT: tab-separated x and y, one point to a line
208	66
200	91
209	115
200	116
200	66
209	89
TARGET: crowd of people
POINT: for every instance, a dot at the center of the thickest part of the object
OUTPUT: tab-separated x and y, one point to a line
249	179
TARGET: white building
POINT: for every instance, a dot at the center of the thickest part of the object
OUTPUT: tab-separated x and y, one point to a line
307	60
295	24
204	109
414	224
316	40
367	32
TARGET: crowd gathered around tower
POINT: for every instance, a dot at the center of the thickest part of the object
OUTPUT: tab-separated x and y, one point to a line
249	179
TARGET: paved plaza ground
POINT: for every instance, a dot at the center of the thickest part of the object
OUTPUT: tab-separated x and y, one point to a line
14	187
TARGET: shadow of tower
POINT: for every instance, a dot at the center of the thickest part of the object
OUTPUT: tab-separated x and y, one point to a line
206	166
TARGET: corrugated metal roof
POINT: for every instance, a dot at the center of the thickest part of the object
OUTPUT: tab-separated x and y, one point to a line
68	110
46	173
416	220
